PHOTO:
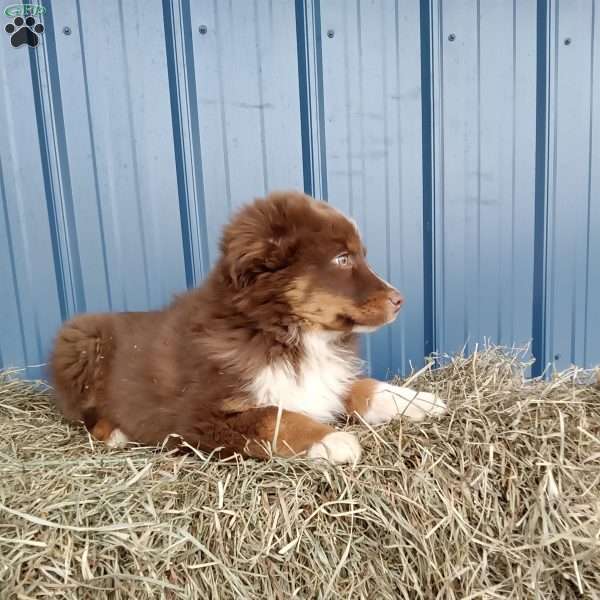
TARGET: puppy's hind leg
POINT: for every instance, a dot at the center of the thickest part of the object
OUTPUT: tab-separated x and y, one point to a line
106	432
80	359
253	432
103	430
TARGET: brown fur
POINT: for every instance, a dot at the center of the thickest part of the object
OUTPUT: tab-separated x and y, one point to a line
360	396
102	429
186	369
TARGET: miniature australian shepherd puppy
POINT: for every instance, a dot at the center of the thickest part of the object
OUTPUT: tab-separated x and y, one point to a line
260	359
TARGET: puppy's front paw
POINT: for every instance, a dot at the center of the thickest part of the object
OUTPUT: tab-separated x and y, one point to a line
391	401
338	447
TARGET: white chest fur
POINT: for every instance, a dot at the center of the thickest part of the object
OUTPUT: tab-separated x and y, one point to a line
317	386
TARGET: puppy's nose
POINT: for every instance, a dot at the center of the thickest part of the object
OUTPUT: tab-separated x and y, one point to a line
396	299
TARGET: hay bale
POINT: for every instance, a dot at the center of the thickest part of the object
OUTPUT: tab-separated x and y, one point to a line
497	500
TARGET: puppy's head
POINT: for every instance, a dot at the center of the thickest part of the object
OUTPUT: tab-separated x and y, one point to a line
293	251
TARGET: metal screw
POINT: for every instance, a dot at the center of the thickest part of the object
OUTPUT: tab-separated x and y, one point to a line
203	29
67	30
330	33
451	37
567	41
557	357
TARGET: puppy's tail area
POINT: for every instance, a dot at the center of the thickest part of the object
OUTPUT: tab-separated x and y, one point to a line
82	353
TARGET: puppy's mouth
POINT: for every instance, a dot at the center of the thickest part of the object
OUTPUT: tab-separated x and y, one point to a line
366	325
376	314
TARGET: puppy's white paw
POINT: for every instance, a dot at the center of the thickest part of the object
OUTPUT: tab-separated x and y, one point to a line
392	401
117	439
338	447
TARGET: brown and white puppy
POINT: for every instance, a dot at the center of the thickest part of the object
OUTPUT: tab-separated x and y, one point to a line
261	356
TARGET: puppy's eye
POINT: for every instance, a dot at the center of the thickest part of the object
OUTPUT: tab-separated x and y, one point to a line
343	260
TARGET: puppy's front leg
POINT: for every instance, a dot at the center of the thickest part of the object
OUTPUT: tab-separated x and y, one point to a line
291	434
378	402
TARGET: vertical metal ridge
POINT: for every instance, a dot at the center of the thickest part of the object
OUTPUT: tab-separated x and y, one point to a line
400	173
368	341
477	315
303	82
186	139
320	100
94	158
62	169
134	156
348	112
513	182
198	225
261	100
552	68
13	269
438	198
168	20
538	346
361	111
56	172
428	145
222	104
386	153
589	190
310	84
58	248
574	257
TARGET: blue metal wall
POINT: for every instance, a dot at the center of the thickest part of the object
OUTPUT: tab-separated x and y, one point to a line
463	136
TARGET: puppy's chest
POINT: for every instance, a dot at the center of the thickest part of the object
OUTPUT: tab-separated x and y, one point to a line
316	386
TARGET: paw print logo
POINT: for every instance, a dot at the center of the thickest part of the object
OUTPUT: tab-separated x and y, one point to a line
24	31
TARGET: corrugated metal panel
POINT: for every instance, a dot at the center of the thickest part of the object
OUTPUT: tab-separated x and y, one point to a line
463	137
108	105
372	107
484	102
246	85
30	309
573	185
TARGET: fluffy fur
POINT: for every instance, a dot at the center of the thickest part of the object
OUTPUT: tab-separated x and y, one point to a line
317	385
262	354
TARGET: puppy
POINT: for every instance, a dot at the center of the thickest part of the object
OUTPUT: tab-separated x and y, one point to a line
260	359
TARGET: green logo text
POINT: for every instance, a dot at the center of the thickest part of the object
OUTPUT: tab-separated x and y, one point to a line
24	10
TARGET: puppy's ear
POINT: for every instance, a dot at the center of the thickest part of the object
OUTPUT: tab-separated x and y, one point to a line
253	245
253	258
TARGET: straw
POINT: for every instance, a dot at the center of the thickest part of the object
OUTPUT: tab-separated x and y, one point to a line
498	499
